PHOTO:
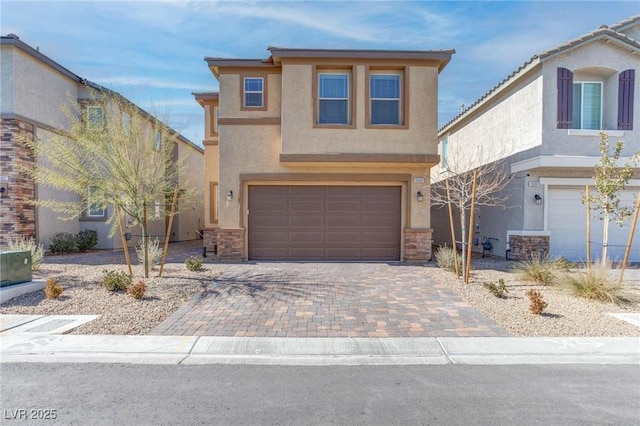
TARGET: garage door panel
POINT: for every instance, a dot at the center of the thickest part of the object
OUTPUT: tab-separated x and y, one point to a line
325	222
567	225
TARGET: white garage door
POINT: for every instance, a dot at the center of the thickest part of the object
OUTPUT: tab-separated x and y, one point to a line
567	224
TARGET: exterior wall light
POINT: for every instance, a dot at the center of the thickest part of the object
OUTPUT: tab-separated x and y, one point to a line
538	199
229	195
4	185
419	196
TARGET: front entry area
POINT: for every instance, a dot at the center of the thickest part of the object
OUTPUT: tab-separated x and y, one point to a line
304	222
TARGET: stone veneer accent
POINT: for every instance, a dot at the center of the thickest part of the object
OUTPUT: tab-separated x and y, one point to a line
230	243
417	245
17	215
524	247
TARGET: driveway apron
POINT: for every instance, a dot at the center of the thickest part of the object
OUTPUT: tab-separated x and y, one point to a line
327	300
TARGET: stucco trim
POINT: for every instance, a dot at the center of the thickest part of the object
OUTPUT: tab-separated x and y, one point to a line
561	161
34	123
413	159
257	121
419	230
552	181
211	142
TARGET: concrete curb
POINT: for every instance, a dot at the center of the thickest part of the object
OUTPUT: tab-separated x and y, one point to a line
191	350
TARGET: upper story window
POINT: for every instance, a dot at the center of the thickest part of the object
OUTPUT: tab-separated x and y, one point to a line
95	117
587	106
94	207
385	106
333	98
583	103
444	153
126	123
157	141
253	92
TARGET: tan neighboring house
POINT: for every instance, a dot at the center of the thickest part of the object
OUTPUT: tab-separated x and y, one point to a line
321	154
33	89
544	121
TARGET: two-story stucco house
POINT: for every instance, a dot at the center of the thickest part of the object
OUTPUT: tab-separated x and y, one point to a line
544	121
34	90
322	154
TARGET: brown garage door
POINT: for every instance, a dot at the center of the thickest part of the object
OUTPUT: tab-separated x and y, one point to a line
324	222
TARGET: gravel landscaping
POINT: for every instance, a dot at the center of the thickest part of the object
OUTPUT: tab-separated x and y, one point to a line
565	315
120	313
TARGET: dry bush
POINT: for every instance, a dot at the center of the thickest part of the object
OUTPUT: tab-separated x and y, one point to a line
52	290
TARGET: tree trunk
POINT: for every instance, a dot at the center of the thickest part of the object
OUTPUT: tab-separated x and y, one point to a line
605	238
463	238
145	242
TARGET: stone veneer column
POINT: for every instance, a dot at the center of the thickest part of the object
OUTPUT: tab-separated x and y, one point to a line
230	244
527	246
417	245
17	215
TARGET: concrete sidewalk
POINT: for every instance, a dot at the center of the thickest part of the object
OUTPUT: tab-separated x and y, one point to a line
190	350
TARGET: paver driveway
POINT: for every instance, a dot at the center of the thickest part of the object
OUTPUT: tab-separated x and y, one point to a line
327	300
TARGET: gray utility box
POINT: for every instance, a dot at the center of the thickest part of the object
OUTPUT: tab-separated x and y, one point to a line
15	267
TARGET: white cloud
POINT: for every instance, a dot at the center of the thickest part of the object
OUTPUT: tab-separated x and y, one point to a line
150	82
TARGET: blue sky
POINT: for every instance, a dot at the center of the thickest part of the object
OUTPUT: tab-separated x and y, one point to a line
152	51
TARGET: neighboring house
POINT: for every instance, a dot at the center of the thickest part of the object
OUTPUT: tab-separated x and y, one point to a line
321	154
34	90
544	122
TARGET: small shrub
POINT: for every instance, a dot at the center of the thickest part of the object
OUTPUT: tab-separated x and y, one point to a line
86	240
446	259
540	269
62	242
563	264
193	263
116	281
137	290
52	290
536	302
155	252
498	290
596	284
24	244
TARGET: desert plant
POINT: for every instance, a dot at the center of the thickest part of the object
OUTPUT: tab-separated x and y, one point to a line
498	290
536	301
446	259
116	281
52	290
563	264
137	290
62	242
155	252
193	263
596	284
540	269
86	240
24	244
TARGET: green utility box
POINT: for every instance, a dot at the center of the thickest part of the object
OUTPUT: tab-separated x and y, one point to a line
15	267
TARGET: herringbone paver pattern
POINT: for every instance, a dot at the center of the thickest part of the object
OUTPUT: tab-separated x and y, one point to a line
327	300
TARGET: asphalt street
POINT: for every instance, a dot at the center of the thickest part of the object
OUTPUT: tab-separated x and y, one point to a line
137	394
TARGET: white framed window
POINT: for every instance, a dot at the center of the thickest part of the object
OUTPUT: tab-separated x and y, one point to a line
444	153
126	123
157	141
253	92
95	117
333	98
587	105
384	93
95	208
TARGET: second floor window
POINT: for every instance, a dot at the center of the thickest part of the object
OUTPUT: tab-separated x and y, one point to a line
253	92
95	118
587	106
385	99
333	98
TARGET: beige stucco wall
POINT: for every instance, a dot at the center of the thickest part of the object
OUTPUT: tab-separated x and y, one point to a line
42	91
598	61
190	219
230	104
300	136
7	77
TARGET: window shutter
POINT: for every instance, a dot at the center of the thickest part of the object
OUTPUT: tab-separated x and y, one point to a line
565	98
625	99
